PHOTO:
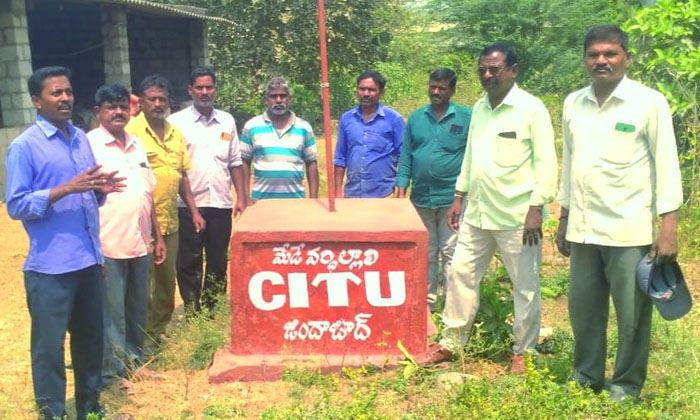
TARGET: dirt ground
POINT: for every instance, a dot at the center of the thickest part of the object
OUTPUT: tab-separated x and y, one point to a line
176	392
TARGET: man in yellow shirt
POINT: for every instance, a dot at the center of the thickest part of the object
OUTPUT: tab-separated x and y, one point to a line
619	172
509	175
168	158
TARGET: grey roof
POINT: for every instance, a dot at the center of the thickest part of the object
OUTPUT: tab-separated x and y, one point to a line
165	9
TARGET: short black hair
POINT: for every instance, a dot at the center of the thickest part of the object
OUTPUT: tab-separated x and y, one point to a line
445	74
374	75
202	71
508	52
155	80
111	93
602	33
35	83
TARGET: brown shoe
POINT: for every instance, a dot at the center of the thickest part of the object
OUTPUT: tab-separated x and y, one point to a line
435	354
517	364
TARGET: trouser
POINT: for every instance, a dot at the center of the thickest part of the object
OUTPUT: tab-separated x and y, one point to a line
58	303
598	272
125	289
441	241
212	242
161	299
473	253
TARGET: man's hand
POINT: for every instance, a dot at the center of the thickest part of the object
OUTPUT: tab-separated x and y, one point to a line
198	222
400	192
532	232
454	213
563	245
91	180
112	183
239	207
665	248
94	179
160	251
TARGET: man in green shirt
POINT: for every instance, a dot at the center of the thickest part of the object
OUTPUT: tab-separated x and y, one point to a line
431	157
509	174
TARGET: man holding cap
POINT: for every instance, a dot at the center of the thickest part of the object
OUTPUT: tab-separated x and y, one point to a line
620	170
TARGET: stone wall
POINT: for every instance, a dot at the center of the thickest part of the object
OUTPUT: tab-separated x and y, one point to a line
115	45
15	66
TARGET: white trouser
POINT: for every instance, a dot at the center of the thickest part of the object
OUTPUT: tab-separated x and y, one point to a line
472	256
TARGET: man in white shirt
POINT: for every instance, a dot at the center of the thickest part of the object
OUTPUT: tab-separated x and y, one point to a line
619	172
214	148
508	174
127	227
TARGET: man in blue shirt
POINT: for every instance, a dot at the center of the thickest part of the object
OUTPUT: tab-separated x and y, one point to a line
54	187
369	143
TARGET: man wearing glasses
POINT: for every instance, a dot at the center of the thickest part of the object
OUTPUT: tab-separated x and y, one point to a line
509	175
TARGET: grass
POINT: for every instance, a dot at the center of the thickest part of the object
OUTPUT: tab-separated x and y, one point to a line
672	390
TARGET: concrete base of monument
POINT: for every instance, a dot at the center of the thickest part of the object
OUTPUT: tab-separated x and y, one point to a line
229	367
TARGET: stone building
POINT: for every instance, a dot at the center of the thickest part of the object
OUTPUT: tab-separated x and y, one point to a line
101	41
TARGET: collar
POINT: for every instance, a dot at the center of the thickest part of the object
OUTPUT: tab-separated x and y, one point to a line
623	91
108	138
141	121
510	99
197	116
380	111
450	110
51	130
292	118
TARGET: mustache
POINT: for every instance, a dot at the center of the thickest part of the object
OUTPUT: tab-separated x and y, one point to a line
602	67
65	106
119	117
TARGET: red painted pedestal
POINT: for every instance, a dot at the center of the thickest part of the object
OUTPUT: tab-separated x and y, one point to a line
325	290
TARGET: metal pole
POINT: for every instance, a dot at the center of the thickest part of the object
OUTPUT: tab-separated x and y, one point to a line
325	88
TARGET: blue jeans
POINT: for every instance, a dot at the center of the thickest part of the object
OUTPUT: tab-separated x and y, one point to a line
125	289
58	303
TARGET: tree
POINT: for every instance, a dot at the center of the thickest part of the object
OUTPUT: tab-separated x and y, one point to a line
548	35
280	37
666	44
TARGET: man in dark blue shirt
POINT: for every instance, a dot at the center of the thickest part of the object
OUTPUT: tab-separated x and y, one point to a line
54	187
369	143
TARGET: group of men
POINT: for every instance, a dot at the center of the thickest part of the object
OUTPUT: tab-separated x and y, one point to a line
117	215
620	172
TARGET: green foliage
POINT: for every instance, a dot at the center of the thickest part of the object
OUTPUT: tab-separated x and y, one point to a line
223	411
491	336
280	37
194	342
689	231
555	283
666	43
547	35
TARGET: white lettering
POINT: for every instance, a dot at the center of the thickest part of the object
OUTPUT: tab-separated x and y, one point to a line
339	330
397	289
337	289
255	293
337	286
298	291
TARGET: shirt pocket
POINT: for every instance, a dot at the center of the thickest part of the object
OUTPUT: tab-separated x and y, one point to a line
623	144
453	138
512	149
379	141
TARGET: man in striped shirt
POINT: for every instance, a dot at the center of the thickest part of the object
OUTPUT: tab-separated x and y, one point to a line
279	144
